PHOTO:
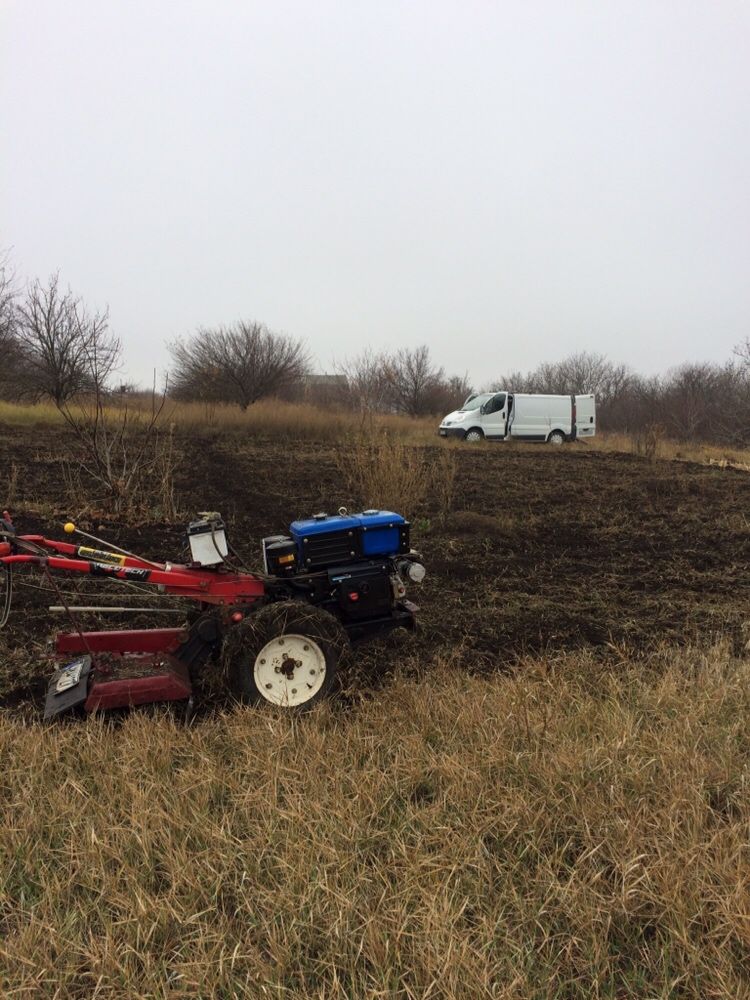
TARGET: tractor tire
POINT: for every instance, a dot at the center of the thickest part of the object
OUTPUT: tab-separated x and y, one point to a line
285	655
475	434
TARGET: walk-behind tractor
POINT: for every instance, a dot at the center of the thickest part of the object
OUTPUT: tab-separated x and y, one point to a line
276	636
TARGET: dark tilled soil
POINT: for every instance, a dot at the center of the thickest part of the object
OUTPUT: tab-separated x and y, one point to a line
544	549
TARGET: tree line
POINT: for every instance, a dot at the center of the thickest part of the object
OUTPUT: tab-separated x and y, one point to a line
704	401
54	347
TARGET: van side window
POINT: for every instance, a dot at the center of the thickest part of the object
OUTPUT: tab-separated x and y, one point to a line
495	404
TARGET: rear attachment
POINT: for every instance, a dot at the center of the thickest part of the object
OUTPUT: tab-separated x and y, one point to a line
121	669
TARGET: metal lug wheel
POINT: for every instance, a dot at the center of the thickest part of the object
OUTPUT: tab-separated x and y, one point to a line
284	654
290	670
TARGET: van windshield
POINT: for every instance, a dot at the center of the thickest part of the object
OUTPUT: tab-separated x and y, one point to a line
474	402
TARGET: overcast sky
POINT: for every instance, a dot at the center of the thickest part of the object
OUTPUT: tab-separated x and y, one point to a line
508	182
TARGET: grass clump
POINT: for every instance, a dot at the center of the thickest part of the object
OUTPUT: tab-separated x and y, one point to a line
382	471
568	831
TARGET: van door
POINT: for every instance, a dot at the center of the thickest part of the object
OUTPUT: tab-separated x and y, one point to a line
586	415
493	417
530	418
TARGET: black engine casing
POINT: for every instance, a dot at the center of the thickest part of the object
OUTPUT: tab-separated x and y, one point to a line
363	590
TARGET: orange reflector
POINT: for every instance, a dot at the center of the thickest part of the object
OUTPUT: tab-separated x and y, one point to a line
286	559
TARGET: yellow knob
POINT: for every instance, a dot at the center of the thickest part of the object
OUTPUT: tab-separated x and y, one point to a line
69	528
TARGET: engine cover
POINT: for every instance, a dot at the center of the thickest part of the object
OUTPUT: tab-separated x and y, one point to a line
330	540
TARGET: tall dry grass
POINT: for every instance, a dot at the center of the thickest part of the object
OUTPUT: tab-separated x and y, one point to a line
267	418
654	444
303	421
380	469
570	831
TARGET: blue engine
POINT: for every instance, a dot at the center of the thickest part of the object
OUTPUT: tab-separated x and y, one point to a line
353	565
325	540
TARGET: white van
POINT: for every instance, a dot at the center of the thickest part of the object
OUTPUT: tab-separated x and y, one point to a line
499	416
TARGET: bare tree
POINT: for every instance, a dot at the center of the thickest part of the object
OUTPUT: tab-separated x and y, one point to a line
413	380
406	382
10	355
457	389
743	352
366	381
707	402
7	297
239	364
65	349
591	372
582	372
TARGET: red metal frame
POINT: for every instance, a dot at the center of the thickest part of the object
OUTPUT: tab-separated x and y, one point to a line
151	651
150	640
167	681
210	586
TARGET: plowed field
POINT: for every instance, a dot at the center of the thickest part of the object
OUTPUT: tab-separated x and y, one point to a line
544	549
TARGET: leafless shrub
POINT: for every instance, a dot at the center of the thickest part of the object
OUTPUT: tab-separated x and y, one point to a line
167	458
385	472
128	454
444	473
11	490
648	439
238	364
380	471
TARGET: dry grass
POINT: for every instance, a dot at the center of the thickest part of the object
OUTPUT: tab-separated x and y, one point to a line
33	415
379	469
657	446
268	418
276	418
303	421
568	832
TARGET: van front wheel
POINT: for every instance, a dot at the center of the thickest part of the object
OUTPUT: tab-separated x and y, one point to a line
474	435
556	437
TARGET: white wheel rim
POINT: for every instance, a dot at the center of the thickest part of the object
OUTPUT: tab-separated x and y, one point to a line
289	670
472	436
